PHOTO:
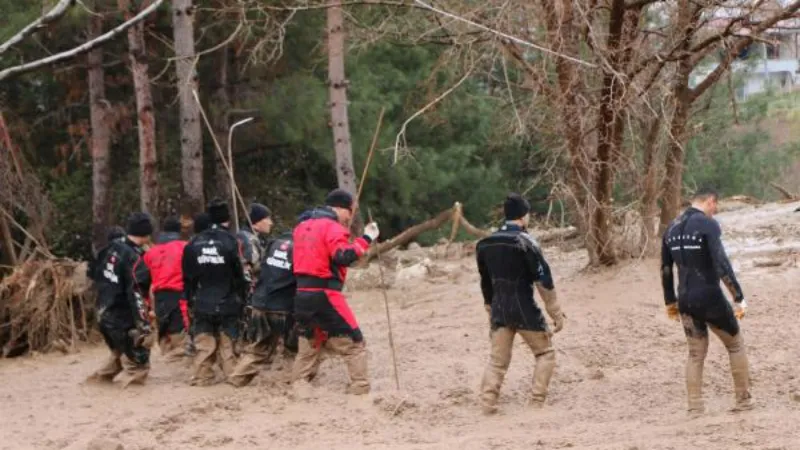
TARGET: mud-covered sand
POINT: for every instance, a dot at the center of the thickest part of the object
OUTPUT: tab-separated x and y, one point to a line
618	385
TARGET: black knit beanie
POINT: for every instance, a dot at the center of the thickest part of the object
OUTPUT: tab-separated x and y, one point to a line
218	211
258	212
339	198
172	225
115	232
515	207
139	225
202	222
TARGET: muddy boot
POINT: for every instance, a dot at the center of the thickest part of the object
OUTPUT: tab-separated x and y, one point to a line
203	370
307	361
541	345
254	355
500	358
698	348
227	354
173	350
134	372
355	357
110	369
739	368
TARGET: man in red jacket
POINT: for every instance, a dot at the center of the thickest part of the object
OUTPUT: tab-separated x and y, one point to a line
164	262
322	253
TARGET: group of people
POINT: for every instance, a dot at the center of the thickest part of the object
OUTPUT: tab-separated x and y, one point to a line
288	292
231	299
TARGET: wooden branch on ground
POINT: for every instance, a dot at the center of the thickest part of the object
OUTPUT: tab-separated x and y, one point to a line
83	48
786	194
54	14
408	235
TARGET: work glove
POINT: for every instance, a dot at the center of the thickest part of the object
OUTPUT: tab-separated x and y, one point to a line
372	231
739	309
142	335
558	321
672	312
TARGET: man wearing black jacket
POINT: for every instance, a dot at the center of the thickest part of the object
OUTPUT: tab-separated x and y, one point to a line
122	282
693	242
270	309
510	263
214	285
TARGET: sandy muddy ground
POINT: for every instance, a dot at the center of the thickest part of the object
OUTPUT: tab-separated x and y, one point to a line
618	385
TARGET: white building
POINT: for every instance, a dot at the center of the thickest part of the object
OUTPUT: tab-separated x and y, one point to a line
771	62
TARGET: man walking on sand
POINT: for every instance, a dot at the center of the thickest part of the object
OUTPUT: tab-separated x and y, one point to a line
122	281
693	242
510	263
214	285
322	253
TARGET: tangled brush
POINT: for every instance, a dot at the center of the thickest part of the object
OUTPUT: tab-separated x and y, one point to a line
45	304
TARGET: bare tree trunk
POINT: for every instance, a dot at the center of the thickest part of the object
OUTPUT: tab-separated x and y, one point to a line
649	206
345	173
219	119
564	33
148	161
191	131
100	138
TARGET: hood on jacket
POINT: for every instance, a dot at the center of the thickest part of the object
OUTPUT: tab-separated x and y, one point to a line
167	236
320	212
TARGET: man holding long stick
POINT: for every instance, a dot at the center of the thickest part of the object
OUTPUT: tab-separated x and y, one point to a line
322	253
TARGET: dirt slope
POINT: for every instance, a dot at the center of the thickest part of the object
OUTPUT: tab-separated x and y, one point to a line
618	385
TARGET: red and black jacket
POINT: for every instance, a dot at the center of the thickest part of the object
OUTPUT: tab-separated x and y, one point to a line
164	262
323	251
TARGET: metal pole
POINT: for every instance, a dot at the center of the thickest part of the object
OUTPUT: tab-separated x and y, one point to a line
230	164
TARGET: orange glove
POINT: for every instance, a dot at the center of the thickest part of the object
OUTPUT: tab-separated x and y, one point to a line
672	312
739	309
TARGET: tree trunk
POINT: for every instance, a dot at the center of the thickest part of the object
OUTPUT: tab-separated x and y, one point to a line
219	119
100	139
673	178
564	33
609	124
191	131
148	162
649	205
345	174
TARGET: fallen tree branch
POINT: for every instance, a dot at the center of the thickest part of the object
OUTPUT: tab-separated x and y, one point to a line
408	235
83	48
786	194
54	14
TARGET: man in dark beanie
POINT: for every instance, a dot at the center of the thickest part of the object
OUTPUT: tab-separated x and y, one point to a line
202	222
164	262
252	238
510	263
214	285
322	253
122	281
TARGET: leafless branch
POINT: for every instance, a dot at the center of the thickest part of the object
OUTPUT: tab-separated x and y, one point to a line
54	14
83	48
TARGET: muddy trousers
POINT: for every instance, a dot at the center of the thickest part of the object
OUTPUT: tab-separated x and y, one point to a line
214	342
502	345
265	330
306	364
172	339
697	339
126	358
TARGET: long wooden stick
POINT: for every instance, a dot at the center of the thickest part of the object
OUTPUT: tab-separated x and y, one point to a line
222	156
369	157
388	315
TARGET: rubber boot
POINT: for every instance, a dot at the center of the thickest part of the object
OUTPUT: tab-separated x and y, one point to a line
698	348
172	347
306	363
499	360
542	348
110	369
203	370
254	355
740	369
133	372
226	353
355	357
